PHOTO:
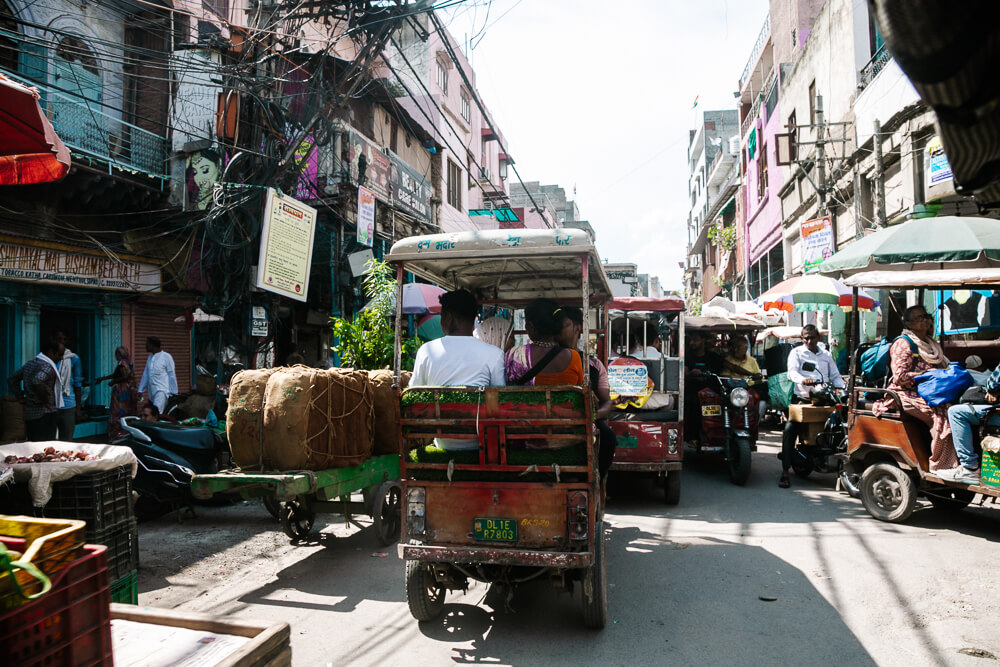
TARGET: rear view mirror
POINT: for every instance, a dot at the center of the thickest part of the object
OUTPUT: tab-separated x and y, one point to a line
809	366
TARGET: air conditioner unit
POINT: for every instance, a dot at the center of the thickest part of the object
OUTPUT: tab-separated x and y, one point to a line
734	145
484	172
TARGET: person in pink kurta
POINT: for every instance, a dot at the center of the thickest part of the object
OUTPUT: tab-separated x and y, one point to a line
904	364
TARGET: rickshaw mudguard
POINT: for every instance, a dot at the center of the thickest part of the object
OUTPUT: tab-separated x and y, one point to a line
894	436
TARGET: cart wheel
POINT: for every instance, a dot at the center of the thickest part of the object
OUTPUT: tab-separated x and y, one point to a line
595	584
387	512
801	464
297	518
950	499
672	487
424	595
888	493
272	505
739	461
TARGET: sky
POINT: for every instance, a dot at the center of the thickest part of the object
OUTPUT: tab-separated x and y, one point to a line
599	96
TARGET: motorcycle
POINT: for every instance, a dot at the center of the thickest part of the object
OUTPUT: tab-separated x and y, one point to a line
729	421
823	449
169	456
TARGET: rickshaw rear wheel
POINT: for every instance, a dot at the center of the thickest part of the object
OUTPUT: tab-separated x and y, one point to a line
888	493
424	595
386	513
595	584
739	461
801	464
949	499
672	487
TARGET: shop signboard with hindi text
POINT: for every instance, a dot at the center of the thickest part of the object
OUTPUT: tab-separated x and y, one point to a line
286	243
817	242
56	264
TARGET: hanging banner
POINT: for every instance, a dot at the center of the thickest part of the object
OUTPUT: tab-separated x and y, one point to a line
411	192
365	157
366	216
286	242
817	242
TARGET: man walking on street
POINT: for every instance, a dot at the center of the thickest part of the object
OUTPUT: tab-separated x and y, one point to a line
158	376
71	385
43	396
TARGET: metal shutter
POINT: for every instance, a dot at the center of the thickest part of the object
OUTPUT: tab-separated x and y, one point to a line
176	339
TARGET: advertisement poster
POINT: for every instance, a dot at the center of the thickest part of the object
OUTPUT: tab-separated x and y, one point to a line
411	193
628	377
968	311
940	169
367	158
366	216
817	242
307	160
286	243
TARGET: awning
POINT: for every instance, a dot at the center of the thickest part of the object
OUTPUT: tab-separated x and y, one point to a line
30	150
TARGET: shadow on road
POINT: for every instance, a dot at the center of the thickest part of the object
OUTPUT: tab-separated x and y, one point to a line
660	610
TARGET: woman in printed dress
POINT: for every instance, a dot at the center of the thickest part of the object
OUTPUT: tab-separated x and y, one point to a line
124	393
543	319
905	363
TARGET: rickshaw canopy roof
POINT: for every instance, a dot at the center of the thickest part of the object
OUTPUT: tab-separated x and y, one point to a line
512	264
646	304
722	324
929	278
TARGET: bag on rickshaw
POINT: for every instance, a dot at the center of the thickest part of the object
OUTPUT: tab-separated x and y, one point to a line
944	385
780	391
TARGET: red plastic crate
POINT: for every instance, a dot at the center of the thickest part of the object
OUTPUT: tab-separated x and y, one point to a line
69	625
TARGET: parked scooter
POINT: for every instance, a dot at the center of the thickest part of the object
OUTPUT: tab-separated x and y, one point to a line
169	456
729	421
823	450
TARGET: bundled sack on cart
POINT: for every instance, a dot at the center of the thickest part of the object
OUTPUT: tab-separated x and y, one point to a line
386	410
245	416
312	420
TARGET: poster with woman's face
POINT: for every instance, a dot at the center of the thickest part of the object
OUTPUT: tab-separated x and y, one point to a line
202	173
968	311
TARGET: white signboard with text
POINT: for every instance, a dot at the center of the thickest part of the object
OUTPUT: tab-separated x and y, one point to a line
286	242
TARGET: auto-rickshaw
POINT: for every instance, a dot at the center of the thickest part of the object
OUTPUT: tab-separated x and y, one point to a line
890	452
527	503
647	388
724	409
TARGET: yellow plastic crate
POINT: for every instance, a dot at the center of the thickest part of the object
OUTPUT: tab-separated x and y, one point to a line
52	544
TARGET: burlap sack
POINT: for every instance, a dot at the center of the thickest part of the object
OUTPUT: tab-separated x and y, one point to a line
317	419
245	416
386	410
13	420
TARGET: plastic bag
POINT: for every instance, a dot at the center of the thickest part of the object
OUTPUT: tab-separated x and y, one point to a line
943	385
780	390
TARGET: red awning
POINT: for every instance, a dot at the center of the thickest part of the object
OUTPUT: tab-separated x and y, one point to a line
643	303
30	151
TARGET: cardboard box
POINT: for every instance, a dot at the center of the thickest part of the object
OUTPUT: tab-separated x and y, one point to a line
806	413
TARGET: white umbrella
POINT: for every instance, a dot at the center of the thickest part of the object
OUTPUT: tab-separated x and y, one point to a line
200	316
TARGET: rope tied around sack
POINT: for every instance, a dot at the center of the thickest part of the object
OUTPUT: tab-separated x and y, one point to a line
365	400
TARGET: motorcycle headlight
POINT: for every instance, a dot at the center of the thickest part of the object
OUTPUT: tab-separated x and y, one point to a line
739	397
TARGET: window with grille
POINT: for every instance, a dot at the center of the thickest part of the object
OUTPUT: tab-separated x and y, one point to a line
454	185
442	76
466	106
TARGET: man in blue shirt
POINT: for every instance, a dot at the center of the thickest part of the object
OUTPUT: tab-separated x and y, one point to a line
965	418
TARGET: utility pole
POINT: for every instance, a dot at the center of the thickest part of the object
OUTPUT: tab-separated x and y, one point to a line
821	156
879	175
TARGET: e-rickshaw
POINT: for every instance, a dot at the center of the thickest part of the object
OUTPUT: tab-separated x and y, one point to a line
647	390
526	504
724	409
891	452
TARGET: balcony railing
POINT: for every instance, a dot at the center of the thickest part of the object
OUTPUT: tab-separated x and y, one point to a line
765	32
85	128
874	66
764	93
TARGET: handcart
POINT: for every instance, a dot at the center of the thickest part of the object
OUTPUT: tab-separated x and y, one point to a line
295	497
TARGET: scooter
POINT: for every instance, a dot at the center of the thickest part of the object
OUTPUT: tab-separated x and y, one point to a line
729	421
823	450
169	456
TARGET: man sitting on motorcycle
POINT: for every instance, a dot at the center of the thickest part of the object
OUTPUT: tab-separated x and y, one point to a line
965	418
808	365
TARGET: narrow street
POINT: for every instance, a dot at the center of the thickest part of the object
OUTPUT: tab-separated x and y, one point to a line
730	576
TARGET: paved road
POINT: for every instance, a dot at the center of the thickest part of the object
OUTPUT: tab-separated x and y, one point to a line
686	584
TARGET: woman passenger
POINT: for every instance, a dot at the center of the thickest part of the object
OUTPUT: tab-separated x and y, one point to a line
738	363
904	364
544	323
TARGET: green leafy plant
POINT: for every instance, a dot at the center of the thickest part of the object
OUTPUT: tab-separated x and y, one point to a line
694	303
722	237
366	341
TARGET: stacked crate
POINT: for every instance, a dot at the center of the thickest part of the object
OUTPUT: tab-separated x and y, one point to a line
104	500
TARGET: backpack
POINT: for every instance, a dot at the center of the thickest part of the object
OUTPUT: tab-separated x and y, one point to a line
875	361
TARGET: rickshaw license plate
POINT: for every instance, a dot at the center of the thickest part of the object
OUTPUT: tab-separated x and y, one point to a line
711	410
495	530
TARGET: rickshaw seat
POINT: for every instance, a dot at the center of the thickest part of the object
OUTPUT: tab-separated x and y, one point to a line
643	416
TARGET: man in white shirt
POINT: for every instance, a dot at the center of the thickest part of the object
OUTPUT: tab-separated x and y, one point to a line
158	376
808	365
458	359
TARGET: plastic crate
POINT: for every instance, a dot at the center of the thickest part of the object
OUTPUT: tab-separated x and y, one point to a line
126	589
122	543
52	545
69	625
989	472
102	499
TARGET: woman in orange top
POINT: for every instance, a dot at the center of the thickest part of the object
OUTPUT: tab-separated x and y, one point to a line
544	322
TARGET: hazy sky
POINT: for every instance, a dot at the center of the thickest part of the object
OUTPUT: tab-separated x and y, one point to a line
599	95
